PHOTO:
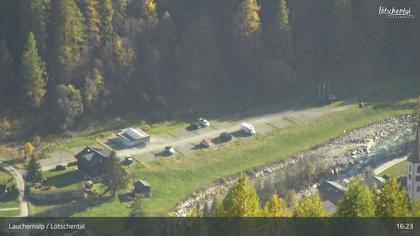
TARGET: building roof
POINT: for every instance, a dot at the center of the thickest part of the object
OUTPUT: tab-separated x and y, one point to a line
374	181
331	188
131	134
93	155
143	182
414	157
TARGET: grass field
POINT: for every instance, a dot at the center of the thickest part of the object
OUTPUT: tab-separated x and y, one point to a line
62	181
398	170
9	213
4	176
174	179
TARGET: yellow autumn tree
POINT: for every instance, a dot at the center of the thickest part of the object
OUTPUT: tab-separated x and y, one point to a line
310	206
276	207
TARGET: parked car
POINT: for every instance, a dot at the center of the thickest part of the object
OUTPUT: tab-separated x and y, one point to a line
128	160
225	136
169	150
203	122
205	143
195	125
247	128
60	167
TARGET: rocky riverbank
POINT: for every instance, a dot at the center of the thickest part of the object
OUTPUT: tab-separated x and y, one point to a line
346	155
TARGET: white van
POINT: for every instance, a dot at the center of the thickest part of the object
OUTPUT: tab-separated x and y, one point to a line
247	128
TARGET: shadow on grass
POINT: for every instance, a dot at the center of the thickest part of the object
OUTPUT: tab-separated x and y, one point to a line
114	144
69	208
69	178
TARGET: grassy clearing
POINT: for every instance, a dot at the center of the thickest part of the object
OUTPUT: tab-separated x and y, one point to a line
4	176
62	181
10	203
11	213
163	127
173	179
399	169
76	142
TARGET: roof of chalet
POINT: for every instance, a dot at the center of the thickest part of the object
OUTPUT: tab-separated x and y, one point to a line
331	187
93	155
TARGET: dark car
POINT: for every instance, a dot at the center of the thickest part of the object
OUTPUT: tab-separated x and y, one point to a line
225	136
195	125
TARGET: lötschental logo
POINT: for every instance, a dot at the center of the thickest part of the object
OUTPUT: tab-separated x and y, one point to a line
396	13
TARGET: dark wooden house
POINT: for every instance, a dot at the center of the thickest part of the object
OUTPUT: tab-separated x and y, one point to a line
90	162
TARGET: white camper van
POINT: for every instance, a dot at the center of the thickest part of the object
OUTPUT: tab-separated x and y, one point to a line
247	128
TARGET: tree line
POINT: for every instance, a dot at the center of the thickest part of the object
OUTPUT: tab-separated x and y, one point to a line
66	59
359	201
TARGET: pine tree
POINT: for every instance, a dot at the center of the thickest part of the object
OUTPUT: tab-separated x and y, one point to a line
146	11
33	71
34	18
242	200
33	171
340	46
94	85
310	206
276	207
392	201
6	66
107	13
358	201
68	34
247	22
93	21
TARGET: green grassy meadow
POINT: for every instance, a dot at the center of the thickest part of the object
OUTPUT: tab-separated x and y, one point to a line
399	169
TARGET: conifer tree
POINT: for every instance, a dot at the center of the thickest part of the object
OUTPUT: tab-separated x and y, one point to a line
68	34
6	65
247	22
107	13
242	200
34	18
33	171
93	21
358	201
310	206
392	201
33	71
276	207
94	85
340	46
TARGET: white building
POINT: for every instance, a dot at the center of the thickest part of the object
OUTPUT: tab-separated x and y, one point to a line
413	178
133	137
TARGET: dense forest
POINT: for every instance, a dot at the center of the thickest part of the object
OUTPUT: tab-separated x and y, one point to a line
63	60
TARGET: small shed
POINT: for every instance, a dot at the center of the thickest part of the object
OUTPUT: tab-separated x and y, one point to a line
143	187
331	191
